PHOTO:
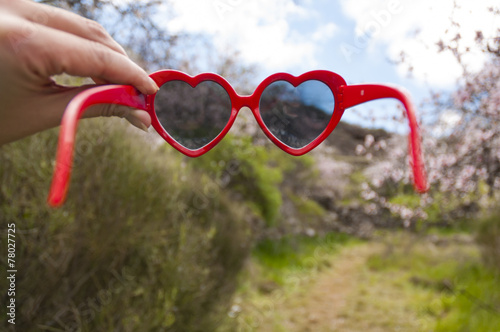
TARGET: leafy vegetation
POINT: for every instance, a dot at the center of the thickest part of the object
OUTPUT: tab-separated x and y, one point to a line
145	239
140	244
488	239
449	286
263	176
244	168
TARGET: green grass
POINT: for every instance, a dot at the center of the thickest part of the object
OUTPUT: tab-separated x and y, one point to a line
437	282
448	285
474	304
292	253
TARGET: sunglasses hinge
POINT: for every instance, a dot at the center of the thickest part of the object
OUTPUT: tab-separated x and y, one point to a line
149	101
341	97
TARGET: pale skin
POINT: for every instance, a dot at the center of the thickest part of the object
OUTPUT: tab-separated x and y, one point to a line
39	41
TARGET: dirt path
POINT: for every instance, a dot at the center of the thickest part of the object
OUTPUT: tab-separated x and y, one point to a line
345	297
321	307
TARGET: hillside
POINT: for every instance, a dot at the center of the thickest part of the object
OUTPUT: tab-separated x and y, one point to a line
347	136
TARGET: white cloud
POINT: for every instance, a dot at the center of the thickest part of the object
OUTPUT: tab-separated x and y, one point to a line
260	29
415	27
325	32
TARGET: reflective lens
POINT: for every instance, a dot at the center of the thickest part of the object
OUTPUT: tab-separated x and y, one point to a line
193	116
297	115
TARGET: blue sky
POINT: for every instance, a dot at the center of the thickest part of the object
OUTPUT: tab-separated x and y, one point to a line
354	38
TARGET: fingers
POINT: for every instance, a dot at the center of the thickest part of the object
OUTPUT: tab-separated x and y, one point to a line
37	42
67	21
138	118
49	52
45	110
56	41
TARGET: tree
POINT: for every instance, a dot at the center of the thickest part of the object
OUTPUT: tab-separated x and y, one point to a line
462	155
471	153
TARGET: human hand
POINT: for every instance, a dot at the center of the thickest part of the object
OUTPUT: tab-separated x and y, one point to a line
39	41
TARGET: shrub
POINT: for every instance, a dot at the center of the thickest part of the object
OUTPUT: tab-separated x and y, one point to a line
488	239
246	169
265	178
141	243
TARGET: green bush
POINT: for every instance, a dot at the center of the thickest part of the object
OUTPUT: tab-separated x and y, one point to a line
488	239
246	169
142	243
262	177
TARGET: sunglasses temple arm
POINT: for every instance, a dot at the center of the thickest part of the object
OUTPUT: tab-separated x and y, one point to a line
357	94
108	94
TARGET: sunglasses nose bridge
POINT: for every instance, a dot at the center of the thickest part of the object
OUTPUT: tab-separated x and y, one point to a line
245	101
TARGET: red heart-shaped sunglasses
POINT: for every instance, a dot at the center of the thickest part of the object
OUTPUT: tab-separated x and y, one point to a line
194	113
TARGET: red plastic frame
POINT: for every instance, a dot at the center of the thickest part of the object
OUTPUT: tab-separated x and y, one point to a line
346	96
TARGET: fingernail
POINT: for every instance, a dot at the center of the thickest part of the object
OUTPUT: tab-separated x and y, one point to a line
149	87
143	127
153	85
136	122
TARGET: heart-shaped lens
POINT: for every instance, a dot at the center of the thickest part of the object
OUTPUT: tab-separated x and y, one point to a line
193	116
297	115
